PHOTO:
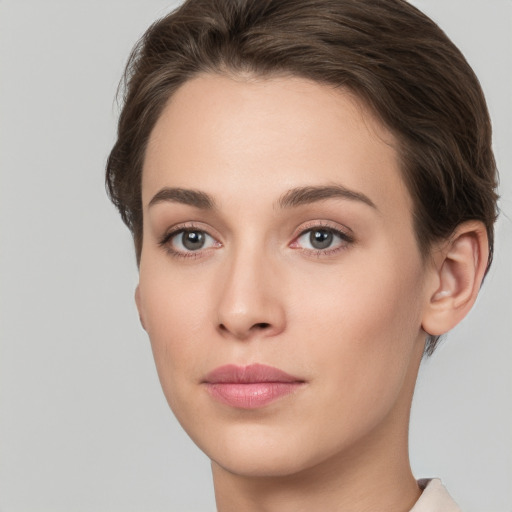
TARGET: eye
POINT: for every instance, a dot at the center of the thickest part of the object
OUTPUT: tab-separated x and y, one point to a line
187	241
322	239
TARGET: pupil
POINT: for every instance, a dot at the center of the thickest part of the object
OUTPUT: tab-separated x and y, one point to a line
193	240
320	239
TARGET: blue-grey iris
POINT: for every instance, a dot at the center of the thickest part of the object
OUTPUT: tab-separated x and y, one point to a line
320	238
193	240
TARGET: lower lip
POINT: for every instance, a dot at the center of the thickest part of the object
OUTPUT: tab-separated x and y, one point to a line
251	395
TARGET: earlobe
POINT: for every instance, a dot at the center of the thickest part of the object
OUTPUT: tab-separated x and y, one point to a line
459	268
139	307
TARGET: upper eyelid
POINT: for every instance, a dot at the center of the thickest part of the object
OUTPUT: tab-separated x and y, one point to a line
338	232
172	233
189	226
323	224
344	238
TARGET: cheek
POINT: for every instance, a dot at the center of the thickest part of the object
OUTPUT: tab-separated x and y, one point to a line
175	313
174	302
361	331
362	298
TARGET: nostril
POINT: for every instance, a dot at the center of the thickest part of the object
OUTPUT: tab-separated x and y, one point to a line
261	325
244	331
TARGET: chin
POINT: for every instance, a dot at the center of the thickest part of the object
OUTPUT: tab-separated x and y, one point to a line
259	453
259	464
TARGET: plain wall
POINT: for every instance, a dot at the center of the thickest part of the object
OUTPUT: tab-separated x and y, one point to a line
84	425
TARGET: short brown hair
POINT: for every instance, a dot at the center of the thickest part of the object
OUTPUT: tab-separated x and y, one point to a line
392	56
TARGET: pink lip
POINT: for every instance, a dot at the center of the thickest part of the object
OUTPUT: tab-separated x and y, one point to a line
250	387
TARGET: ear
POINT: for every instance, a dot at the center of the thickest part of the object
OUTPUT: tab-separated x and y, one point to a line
139	306
458	270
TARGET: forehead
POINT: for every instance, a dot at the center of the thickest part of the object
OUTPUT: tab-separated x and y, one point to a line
236	136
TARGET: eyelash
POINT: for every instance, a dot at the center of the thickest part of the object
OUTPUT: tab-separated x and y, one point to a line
188	228
345	238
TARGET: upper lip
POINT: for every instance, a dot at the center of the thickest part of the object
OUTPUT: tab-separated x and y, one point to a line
233	374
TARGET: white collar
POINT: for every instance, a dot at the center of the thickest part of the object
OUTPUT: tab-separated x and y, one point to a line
434	498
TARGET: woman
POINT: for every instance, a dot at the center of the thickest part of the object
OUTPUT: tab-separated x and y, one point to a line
311	191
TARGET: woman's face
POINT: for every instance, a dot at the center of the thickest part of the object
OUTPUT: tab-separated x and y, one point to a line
278	233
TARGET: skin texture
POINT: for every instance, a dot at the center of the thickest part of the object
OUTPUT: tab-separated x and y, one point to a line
348	321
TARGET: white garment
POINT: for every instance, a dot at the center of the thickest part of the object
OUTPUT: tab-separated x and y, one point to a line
434	498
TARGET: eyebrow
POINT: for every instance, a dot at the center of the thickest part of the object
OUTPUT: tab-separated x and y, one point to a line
293	198
184	196
305	195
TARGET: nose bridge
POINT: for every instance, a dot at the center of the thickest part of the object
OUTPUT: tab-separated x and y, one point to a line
249	300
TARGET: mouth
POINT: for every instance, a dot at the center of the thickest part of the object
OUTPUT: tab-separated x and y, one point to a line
250	387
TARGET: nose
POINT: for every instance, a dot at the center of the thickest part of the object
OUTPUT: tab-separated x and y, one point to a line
251	298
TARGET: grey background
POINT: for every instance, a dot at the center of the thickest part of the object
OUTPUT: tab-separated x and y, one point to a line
83	422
